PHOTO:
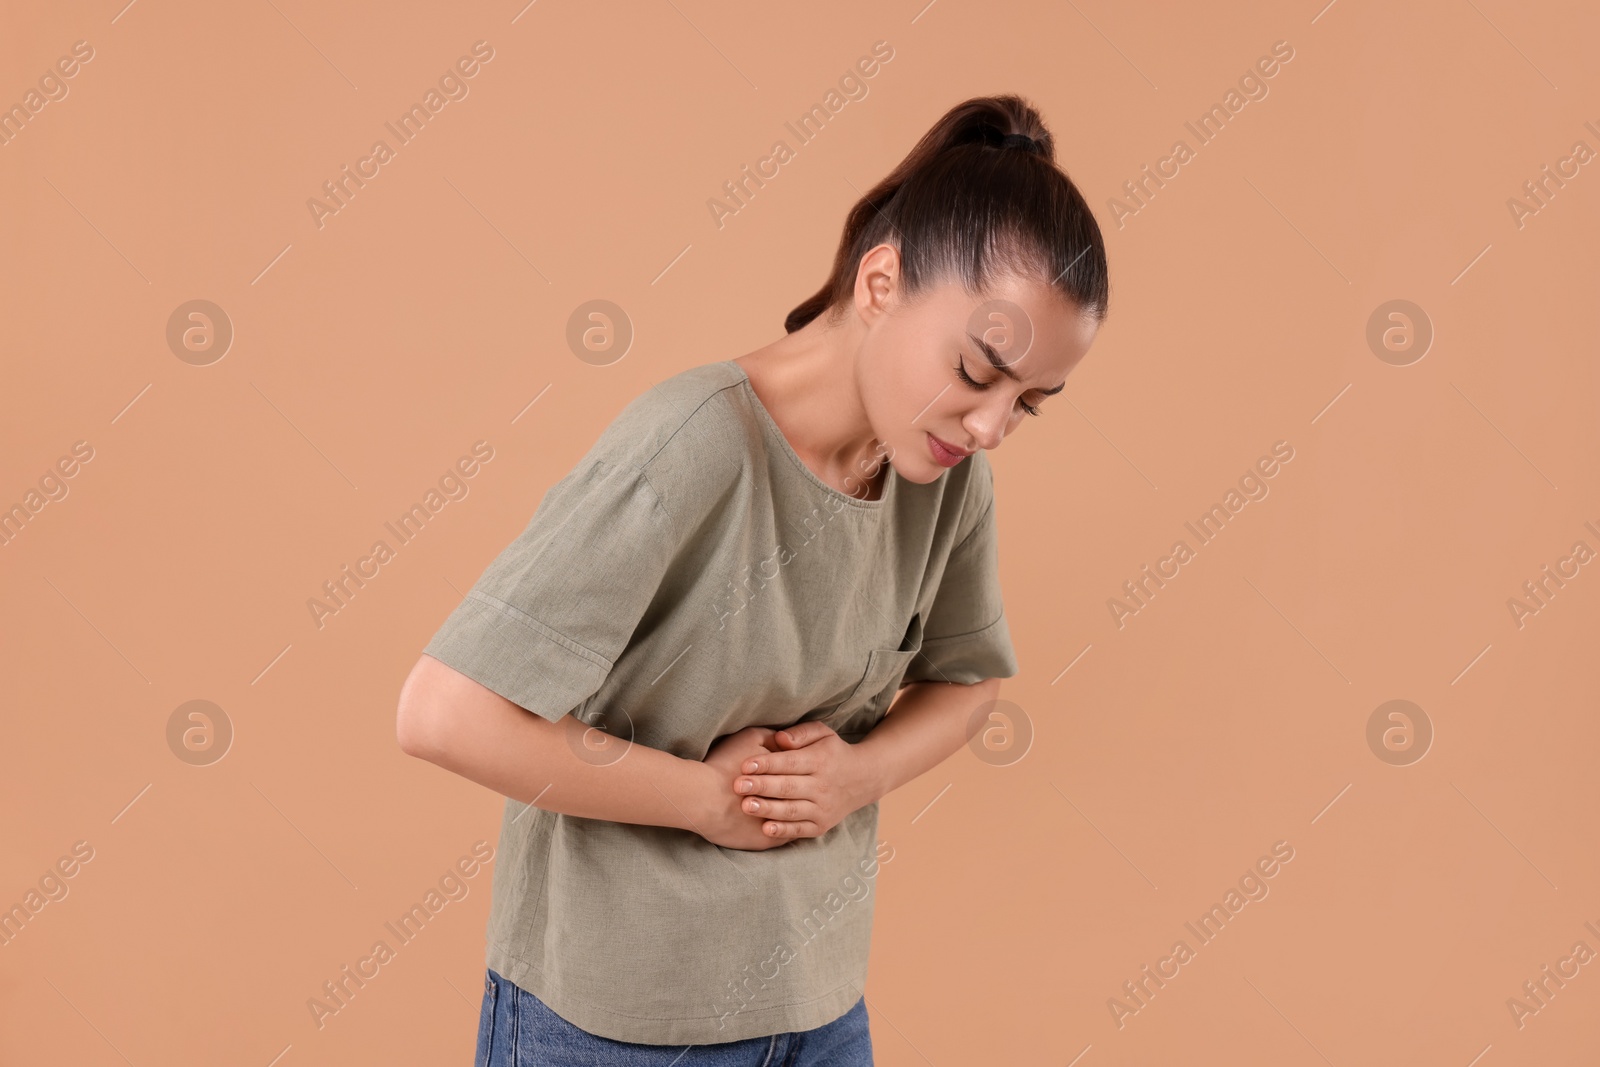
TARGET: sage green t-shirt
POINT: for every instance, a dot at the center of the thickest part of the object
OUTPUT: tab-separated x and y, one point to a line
688	578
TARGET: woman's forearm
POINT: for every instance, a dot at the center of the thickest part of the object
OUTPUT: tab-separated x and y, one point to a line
926	725
450	720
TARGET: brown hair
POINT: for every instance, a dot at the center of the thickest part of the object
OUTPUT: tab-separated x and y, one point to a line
970	202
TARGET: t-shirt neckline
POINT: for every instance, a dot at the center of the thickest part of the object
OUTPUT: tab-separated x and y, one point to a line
776	434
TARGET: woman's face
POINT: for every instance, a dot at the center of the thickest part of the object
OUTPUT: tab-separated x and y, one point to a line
1017	343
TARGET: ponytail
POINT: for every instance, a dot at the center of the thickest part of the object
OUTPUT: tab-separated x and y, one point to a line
979	196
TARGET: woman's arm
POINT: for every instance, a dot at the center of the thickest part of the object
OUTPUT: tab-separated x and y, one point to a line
818	778
926	725
450	720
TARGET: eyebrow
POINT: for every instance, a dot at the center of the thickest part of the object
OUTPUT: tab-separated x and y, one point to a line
1000	364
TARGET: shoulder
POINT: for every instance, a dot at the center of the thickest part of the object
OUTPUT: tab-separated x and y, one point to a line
689	436
971	490
955	503
657	420
980	478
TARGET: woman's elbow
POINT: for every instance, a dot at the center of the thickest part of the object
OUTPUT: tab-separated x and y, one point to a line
416	716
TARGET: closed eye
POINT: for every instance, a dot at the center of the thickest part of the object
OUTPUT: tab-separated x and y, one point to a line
961	372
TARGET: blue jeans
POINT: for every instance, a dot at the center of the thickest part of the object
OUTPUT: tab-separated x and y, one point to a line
517	1029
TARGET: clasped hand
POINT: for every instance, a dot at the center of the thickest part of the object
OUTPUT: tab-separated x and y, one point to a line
779	785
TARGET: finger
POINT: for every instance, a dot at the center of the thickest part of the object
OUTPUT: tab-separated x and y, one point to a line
771	785
780	763
762	735
780	810
802	734
789	829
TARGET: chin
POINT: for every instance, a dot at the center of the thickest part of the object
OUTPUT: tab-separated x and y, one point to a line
927	471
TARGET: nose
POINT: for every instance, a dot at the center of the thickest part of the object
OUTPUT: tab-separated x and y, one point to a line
987	424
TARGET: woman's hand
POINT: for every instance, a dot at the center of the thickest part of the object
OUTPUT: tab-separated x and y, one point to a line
725	822
808	783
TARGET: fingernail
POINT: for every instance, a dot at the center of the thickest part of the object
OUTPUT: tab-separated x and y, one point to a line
755	805
745	785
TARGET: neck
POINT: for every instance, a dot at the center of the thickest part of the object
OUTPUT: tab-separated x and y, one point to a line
807	382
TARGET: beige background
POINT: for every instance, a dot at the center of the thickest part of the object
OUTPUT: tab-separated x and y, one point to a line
1229	714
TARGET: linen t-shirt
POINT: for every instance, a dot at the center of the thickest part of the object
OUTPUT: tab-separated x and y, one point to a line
688	578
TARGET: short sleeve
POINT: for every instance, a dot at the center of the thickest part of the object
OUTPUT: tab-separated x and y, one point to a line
965	638
549	616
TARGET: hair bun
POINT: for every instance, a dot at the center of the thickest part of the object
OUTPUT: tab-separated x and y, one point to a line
957	211
989	134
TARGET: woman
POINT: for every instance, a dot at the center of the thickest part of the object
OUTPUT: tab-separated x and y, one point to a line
710	616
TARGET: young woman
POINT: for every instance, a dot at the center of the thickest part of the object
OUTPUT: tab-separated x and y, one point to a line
710	616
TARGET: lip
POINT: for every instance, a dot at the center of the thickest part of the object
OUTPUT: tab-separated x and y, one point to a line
944	454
